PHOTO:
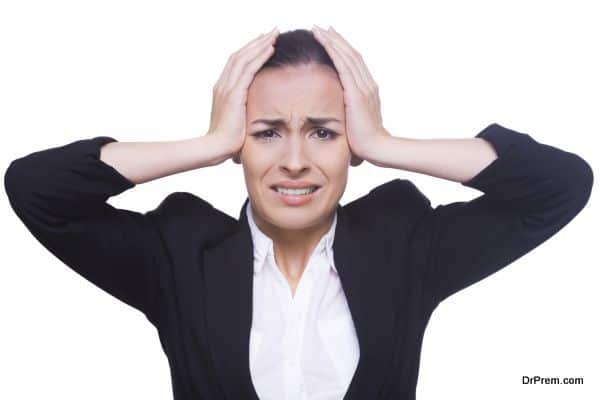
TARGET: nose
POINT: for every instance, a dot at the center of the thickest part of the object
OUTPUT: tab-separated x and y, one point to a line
294	158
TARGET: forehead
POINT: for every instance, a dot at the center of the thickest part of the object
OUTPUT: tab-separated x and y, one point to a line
304	88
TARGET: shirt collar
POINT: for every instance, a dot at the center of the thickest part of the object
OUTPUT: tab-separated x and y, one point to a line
263	245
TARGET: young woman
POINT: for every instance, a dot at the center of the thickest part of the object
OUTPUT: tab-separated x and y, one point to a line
299	298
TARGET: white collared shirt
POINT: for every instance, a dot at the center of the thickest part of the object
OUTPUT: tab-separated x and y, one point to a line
302	347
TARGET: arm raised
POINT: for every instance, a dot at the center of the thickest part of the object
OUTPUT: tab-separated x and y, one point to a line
530	191
60	195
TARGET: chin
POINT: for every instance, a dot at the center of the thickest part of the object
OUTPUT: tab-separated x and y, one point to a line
286	218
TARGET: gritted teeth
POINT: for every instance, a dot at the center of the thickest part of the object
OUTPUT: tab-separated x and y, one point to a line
289	188
309	189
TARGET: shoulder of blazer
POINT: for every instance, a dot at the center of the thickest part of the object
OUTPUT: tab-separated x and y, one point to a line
183	216
395	200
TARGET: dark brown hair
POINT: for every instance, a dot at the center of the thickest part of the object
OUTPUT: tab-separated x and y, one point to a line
295	48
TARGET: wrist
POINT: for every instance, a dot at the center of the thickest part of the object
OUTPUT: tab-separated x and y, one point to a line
215	149
376	149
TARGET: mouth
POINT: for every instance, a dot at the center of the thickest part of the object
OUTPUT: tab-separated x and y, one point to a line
295	191
296	197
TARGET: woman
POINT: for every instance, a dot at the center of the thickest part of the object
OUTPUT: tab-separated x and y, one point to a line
300	297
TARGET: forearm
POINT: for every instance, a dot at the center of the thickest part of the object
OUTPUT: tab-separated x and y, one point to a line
453	159
140	162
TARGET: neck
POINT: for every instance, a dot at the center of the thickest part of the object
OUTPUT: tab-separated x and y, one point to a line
293	247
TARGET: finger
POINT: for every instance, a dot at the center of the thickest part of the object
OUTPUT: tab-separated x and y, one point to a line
350	56
227	66
231	62
226	74
345	71
250	69
358	58
362	63
334	47
246	56
256	42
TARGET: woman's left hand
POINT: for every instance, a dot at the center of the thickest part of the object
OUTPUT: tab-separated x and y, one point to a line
364	125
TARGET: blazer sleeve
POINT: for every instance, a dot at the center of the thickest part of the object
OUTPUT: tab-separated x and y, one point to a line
530	192
60	196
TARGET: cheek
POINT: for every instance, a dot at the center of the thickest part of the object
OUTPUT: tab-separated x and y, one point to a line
336	157
252	155
256	163
336	168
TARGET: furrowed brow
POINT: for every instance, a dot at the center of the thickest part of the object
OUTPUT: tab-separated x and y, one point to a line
281	121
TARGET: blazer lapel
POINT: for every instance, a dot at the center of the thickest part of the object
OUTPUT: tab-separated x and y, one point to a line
366	281
229	272
366	276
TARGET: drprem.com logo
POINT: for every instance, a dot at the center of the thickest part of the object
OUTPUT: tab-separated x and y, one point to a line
534	380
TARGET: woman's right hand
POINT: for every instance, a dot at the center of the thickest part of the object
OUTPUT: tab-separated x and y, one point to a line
228	114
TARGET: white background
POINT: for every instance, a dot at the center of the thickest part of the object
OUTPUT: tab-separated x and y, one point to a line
144	71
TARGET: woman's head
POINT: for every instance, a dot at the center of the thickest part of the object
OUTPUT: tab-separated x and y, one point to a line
297	85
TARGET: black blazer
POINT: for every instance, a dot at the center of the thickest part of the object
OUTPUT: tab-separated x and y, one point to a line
188	266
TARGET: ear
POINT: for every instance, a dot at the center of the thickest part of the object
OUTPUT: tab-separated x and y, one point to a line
355	161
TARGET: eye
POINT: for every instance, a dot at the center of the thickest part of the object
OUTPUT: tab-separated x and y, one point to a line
332	134
269	134
263	134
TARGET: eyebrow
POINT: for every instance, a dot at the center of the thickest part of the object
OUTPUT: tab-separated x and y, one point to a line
281	121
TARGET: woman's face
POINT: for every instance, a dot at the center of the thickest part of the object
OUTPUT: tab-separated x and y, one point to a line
295	148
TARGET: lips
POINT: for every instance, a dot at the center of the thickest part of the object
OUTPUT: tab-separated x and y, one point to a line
274	188
295	200
294	185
